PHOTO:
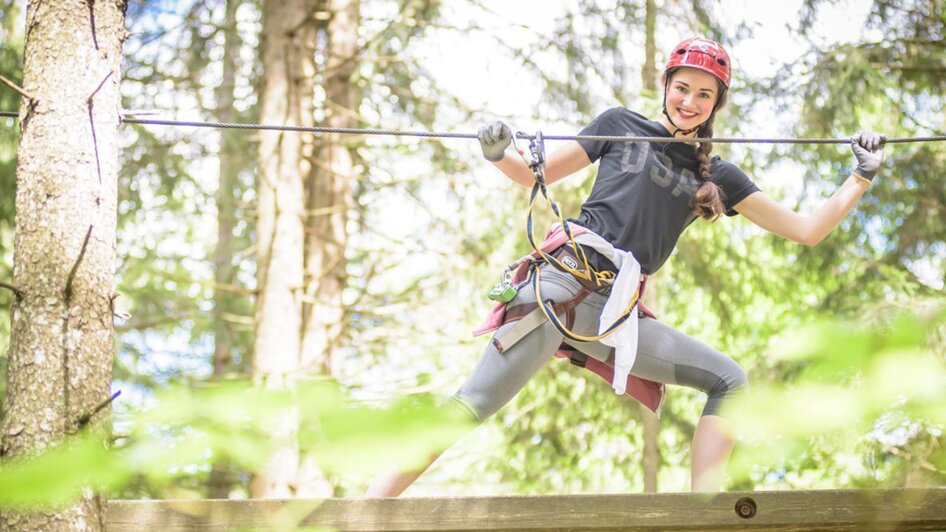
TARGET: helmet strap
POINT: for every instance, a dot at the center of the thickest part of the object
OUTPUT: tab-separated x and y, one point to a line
672	123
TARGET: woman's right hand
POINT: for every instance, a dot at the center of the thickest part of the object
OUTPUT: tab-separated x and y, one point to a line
494	139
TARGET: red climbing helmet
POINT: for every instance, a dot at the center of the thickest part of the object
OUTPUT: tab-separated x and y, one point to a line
704	54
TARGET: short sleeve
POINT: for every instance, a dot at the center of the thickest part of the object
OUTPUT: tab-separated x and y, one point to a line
603	124
735	183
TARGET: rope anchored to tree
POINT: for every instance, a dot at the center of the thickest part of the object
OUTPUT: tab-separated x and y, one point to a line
519	135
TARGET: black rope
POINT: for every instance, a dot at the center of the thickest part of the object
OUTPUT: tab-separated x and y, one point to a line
519	135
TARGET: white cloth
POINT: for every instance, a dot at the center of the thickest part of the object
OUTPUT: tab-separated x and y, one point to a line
624	338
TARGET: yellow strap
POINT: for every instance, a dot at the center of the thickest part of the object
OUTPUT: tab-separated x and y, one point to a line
589	274
575	336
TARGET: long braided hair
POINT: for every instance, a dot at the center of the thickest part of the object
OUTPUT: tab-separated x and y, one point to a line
708	200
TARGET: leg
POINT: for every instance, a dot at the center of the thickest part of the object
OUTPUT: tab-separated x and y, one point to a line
669	356
709	454
394	483
498	377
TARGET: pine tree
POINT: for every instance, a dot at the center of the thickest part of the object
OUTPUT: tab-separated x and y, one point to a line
62	340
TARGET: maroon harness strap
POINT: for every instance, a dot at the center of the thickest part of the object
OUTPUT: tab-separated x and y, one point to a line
517	312
576	357
649	393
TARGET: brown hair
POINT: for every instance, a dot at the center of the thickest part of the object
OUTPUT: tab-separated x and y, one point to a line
708	200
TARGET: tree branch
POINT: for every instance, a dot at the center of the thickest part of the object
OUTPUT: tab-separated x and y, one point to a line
16	291
17	88
85	418
223	287
95	39
97	89
141	112
95	142
75	267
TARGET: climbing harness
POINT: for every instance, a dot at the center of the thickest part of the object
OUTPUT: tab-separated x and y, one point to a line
582	271
511	322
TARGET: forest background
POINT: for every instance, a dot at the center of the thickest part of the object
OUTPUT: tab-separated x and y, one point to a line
404	236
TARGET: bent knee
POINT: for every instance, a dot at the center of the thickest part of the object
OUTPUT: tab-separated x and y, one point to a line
739	380
735	382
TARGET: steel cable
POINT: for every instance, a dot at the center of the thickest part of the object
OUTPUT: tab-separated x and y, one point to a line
519	134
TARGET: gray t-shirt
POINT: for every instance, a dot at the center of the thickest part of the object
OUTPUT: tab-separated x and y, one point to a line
642	199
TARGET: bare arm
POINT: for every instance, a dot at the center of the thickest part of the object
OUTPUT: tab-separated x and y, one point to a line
809	230
564	161
812	229
495	140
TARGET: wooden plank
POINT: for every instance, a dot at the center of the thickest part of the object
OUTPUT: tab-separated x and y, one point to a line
900	509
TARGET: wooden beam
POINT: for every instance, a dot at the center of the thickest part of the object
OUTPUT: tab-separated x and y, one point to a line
898	509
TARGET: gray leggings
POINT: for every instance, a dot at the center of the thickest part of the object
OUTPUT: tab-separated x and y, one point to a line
663	355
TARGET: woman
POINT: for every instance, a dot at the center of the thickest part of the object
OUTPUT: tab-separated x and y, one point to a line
644	196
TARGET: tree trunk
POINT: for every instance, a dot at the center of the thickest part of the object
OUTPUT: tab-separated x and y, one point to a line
62	338
288	45
649	70
651	457
229	160
229	166
329	189
328	200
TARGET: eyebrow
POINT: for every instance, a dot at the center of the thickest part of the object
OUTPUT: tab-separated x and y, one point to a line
687	85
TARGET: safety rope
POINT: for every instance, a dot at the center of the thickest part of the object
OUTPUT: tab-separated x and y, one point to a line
518	134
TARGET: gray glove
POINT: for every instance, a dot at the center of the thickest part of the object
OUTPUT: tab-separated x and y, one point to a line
494	139
868	149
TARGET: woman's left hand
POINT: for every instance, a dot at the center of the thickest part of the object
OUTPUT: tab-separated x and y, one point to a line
868	148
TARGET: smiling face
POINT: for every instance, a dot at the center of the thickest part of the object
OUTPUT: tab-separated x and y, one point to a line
691	97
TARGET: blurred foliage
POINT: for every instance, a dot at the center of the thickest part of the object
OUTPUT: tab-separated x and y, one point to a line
889	254
185	426
865	398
